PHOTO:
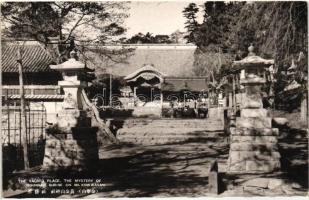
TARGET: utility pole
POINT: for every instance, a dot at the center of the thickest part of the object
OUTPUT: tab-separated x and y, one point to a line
110	89
234	94
22	107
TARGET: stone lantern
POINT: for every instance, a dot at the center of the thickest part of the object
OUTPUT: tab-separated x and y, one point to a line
253	147
72	141
73	83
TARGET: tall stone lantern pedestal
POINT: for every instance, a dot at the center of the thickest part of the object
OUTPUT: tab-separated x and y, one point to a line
253	147
72	141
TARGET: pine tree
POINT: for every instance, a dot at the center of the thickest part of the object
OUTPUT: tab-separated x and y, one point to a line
68	21
191	24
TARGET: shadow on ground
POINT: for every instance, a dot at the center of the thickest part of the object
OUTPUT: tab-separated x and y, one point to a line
181	169
293	147
162	170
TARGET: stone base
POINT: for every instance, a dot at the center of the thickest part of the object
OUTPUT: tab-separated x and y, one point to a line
254	139
254	113
253	150
254	131
78	149
253	122
251	101
254	166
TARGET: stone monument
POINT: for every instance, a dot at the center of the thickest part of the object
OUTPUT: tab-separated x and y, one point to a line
71	142
253	147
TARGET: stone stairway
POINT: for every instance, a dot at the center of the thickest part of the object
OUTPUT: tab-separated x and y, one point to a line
144	111
166	131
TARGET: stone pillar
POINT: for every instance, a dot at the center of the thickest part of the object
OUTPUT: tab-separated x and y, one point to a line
253	147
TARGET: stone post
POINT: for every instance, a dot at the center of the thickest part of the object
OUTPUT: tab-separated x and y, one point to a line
253	147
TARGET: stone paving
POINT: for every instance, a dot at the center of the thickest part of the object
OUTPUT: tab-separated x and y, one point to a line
178	166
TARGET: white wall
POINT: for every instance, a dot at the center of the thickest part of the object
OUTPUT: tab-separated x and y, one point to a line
51	109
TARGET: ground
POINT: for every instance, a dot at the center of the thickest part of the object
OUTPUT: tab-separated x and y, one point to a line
181	168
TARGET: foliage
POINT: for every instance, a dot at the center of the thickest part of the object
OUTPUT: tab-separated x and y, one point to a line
177	37
148	38
216	24
191	23
209	63
277	30
211	39
70	22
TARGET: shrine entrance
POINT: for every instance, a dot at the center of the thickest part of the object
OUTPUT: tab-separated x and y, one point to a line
148	94
146	86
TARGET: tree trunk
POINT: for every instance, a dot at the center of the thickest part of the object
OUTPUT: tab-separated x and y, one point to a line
23	112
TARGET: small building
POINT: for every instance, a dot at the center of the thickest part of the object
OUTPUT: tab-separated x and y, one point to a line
152	70
40	81
150	87
155	72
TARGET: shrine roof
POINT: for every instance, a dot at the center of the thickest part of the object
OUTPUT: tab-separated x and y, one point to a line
145	68
176	60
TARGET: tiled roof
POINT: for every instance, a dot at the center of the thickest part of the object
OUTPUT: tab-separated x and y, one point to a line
32	96
34	58
172	60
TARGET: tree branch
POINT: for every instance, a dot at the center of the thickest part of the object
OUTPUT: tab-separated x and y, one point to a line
75	26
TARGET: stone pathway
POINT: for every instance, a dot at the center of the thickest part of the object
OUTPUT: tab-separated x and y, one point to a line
163	157
177	164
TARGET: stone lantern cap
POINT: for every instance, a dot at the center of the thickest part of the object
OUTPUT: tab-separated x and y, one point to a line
71	65
252	60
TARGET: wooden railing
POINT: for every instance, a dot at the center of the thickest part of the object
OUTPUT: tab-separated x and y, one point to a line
31	89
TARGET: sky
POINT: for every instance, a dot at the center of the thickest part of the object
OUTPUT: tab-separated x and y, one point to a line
156	17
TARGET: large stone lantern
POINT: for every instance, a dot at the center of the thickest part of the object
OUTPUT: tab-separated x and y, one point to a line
72	141
253	145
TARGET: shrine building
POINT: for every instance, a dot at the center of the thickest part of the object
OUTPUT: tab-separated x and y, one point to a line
156	74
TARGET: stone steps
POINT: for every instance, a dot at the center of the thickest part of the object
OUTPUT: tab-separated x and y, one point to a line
169	120
169	131
151	131
166	123
204	127
161	140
